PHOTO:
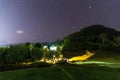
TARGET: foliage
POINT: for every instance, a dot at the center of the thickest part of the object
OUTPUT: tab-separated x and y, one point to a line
36	54
37	45
95	37
3	52
19	54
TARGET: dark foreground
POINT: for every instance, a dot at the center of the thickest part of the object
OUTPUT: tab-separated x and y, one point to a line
64	72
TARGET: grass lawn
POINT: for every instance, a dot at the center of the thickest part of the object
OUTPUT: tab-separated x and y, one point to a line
66	72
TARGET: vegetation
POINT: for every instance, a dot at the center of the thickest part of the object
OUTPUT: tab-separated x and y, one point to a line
27	55
96	37
97	42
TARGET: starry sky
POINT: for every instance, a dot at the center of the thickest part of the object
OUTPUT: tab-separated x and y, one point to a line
49	20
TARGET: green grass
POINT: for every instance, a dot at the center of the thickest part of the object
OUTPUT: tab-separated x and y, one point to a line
48	73
66	72
102	66
93	72
106	56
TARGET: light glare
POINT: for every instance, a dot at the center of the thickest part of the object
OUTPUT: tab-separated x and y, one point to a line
19	31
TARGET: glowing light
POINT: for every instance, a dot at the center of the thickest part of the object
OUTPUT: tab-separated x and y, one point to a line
19	31
27	63
53	48
44	47
83	57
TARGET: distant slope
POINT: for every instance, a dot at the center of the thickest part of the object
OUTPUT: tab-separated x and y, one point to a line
97	30
93	31
95	37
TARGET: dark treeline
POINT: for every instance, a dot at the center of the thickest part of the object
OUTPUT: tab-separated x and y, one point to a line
20	53
95	37
18	56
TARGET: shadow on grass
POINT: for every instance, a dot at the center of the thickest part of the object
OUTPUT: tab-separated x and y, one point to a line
64	72
92	72
21	66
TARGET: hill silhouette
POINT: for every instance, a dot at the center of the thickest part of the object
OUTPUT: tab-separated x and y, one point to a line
95	37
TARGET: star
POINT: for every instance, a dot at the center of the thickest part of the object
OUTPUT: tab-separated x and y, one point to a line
90	7
38	20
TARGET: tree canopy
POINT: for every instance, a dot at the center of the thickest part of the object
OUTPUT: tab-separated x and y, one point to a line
95	37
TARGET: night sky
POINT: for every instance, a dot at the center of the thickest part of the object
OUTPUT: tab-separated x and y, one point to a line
49	20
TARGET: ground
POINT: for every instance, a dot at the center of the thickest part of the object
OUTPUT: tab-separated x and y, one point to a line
81	71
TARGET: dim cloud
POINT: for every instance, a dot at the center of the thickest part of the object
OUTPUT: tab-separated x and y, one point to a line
19	31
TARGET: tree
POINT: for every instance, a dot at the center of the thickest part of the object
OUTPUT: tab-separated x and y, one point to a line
37	45
17	54
35	54
29	45
103	38
117	39
3	52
